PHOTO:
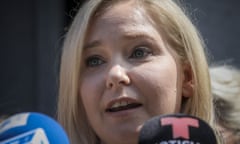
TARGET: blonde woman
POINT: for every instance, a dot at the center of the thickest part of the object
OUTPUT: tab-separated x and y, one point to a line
125	61
225	80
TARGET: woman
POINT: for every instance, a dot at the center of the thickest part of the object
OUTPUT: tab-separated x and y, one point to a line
125	61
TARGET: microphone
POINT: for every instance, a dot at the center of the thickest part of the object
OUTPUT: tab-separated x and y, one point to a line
176	129
31	128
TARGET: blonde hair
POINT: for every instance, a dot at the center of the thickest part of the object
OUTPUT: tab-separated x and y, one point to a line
179	33
225	81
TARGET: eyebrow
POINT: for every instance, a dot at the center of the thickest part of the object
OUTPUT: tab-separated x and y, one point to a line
92	44
127	36
133	36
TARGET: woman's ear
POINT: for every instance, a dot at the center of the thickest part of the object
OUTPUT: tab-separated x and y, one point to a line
188	81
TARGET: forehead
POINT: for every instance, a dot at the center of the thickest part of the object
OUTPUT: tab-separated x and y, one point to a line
127	17
125	11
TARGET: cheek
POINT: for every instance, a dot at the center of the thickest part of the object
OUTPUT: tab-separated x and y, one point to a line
90	92
160	86
159	76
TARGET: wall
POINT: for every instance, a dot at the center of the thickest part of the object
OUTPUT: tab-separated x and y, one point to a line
219	21
31	33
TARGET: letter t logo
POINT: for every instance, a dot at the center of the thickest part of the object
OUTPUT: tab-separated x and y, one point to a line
180	126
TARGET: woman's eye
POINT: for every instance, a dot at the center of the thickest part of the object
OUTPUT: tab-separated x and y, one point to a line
140	52
94	61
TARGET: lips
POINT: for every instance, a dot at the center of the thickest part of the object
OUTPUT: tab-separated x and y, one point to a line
122	104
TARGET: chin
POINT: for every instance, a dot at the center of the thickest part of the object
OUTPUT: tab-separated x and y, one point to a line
132	140
121	136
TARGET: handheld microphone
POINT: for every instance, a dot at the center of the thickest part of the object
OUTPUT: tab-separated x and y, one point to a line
32	128
176	129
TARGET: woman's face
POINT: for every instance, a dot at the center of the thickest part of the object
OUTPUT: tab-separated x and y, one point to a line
128	74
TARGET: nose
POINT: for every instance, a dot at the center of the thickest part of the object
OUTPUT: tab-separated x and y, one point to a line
116	77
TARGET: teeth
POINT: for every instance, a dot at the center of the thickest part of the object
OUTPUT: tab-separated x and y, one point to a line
116	105
119	104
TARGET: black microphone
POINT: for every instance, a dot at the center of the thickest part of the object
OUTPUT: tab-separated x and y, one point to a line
176	129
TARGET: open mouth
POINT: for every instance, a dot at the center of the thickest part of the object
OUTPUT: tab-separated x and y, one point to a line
121	106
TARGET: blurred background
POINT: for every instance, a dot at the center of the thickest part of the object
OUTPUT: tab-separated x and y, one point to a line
32	32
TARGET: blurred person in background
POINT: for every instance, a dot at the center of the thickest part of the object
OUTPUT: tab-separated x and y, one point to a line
225	81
